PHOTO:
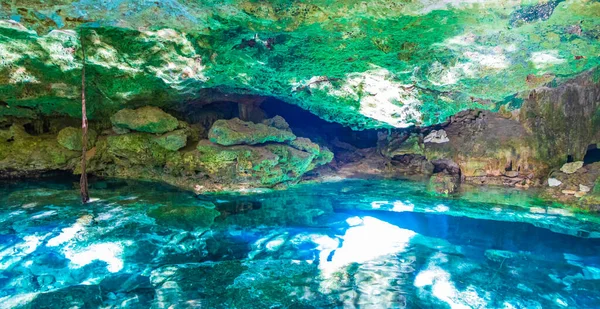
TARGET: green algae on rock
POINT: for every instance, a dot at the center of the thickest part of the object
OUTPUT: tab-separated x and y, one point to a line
238	132
23	154
145	119
379	65
173	140
71	138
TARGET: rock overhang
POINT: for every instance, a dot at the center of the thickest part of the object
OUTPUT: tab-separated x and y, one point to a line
364	65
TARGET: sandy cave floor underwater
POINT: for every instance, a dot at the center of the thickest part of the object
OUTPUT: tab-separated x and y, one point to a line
347	244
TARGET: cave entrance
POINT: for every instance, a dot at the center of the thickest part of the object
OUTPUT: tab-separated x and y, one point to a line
215	105
307	124
592	155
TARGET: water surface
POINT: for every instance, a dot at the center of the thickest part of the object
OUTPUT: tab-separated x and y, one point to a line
349	244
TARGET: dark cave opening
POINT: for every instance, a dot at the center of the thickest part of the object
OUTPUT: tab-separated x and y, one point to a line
302	122
592	155
307	124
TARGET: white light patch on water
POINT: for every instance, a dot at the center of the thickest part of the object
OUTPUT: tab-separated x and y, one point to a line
66	235
44	214
17	301
546	59
371	239
378	204
13	254
442	208
400	206
444	289
109	253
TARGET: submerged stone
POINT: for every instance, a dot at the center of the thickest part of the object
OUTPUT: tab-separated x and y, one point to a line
238	132
71	138
570	168
145	119
188	217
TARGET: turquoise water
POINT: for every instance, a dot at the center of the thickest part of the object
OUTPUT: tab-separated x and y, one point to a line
350	244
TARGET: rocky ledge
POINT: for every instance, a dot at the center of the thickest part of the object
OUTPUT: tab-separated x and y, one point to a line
147	143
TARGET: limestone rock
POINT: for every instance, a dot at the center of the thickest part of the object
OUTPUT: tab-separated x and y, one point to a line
584	188
145	119
305	144
238	132
70	138
437	137
277	122
569	192
173	140
570	168
443	184
553	182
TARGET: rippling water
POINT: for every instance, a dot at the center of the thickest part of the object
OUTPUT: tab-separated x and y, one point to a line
350	244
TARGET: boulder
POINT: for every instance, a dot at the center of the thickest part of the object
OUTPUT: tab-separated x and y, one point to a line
305	144
277	122
584	188
437	137
570	168
238	132
553	182
145	119
173	140
443	184
70	138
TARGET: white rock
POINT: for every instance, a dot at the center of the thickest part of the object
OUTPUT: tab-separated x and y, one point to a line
570	168
437	137
583	188
553	182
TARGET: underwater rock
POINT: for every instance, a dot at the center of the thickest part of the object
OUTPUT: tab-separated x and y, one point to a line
437	137
185	217
71	138
238	132
553	182
77	296
173	140
570	168
145	119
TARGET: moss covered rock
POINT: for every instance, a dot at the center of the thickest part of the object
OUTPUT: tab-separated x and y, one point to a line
238	132
173	140
24	154
71	138
145	119
305	144
443	184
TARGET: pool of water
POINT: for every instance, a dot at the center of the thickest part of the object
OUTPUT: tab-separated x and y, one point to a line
348	244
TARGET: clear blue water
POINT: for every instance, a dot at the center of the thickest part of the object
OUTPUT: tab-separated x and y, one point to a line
350	244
